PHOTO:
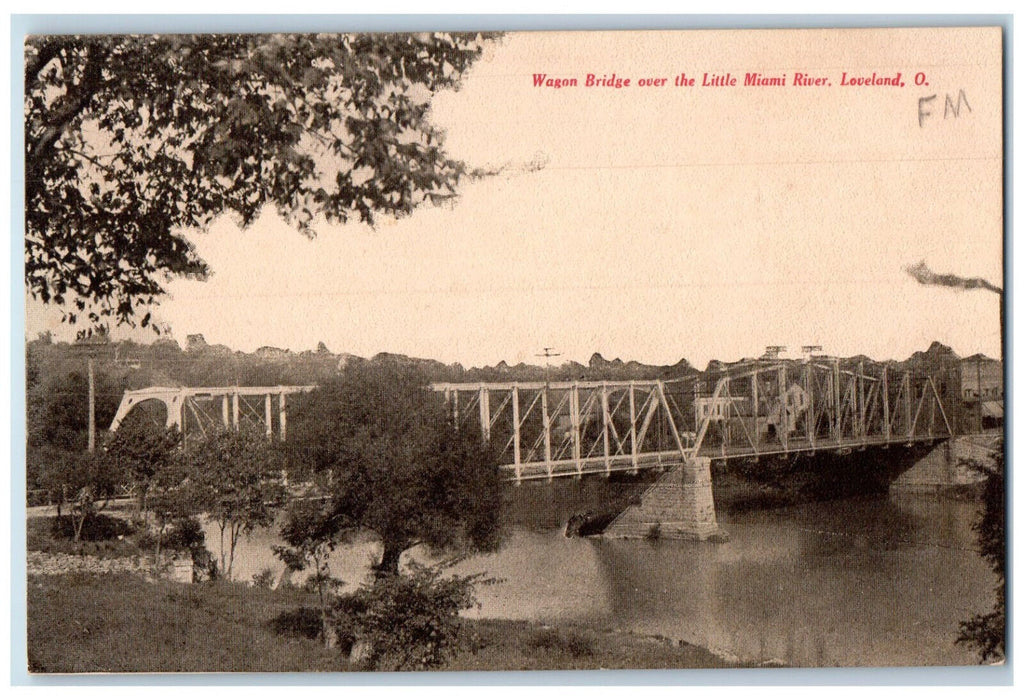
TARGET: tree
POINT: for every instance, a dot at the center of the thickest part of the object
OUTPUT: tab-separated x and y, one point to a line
232	476
86	481
129	140
396	463
311	533
987	632
146	454
57	409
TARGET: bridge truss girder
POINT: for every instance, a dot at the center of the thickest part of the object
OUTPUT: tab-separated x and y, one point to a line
545	430
549	429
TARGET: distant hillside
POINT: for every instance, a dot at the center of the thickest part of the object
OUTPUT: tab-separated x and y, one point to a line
132	365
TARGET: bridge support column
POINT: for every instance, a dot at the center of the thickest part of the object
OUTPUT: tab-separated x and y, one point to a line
679	505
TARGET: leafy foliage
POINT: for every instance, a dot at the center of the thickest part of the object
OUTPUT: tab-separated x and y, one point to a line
57	410
82	480
98	528
311	532
232	477
987	632
146	454
395	462
410	622
131	139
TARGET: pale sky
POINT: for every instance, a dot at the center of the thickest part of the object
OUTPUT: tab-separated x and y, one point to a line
666	222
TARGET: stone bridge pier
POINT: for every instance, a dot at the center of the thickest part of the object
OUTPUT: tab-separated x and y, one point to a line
679	505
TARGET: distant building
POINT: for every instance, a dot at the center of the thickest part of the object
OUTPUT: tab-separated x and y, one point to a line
981	393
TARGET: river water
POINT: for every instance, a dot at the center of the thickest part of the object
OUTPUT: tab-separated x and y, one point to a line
870	581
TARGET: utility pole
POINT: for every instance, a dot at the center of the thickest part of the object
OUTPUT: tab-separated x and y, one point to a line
977	366
92	347
547	355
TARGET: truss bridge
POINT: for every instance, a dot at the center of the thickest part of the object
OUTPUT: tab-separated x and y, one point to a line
546	430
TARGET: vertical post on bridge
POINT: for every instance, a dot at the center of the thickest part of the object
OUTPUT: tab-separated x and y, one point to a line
837	402
783	409
546	420
234	409
224	411
907	403
485	412
605	420
268	416
862	412
574	416
632	428
515	431
809	386
283	416
754	397
885	402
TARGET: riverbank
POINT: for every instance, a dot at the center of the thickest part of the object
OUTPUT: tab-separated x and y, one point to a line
120	622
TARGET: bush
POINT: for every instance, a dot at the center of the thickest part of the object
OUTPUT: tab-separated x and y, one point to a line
408	621
184	535
264	579
653	533
97	527
575	643
545	638
301	622
579	644
987	632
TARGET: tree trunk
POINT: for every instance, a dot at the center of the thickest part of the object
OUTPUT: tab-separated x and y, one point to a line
159	541
389	559
78	527
223	554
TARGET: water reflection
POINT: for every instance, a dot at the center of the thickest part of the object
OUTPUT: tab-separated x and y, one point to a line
867	581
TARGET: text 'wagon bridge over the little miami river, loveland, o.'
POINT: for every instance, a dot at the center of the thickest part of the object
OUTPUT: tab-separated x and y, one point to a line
821	408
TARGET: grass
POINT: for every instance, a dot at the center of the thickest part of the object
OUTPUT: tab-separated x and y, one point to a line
511	645
80	623
84	623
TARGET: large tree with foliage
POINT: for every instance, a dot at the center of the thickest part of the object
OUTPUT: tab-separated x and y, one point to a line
310	534
146	454
129	140
396	462
986	632
233	477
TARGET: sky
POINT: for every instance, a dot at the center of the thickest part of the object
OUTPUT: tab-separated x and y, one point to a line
654	223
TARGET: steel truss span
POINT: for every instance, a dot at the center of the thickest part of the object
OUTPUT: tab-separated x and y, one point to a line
545	430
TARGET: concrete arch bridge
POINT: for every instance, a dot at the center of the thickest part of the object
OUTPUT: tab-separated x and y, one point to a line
198	410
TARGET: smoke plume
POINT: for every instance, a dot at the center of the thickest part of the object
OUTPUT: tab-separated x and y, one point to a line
922	274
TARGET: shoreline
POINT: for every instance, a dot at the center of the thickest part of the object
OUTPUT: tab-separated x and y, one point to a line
76	619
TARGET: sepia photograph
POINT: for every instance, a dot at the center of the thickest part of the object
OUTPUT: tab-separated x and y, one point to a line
513	350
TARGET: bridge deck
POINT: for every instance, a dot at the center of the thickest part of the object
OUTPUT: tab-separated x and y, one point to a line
531	471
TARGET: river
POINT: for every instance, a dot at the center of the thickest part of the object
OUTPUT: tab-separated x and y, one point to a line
869	581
